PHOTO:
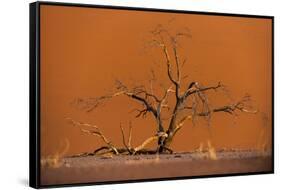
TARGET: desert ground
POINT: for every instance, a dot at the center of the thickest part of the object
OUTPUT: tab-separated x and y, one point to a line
86	168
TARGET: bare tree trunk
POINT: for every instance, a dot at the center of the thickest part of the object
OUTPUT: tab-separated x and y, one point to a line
165	142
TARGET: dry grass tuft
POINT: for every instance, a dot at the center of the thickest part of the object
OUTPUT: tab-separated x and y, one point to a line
55	160
211	151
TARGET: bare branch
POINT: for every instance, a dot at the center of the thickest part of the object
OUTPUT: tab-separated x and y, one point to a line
177	64
141	113
168	63
94	131
180	124
147	94
144	101
158	33
102	148
124	140
196	89
145	143
130	135
230	109
150	140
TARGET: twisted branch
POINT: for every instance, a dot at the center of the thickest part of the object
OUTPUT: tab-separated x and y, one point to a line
94	131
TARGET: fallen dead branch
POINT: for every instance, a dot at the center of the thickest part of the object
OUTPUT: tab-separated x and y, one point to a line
109	147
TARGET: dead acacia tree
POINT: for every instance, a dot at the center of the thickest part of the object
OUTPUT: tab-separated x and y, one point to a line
190	101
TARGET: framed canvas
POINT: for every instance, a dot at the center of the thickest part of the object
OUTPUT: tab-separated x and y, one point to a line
120	94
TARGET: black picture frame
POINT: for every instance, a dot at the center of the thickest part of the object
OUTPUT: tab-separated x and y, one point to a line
34	93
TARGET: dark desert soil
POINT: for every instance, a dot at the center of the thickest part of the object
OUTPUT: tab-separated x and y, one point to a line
85	169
